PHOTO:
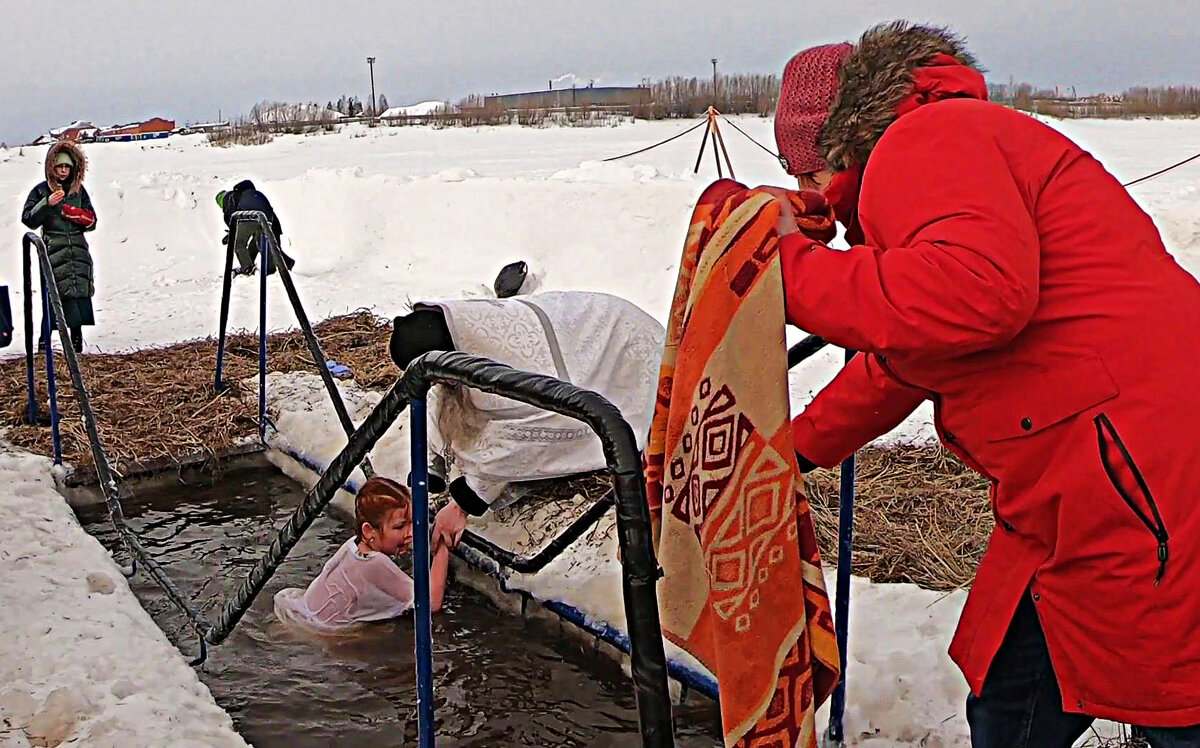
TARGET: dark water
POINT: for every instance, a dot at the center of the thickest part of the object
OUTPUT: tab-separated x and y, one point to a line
500	680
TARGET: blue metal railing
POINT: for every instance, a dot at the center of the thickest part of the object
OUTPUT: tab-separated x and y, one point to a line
28	243
835	733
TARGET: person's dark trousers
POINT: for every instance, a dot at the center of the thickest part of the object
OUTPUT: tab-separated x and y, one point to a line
1021	705
76	339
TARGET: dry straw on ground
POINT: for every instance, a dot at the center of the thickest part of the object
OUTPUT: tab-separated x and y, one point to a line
920	516
159	403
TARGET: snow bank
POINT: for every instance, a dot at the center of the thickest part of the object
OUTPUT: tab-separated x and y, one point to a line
82	661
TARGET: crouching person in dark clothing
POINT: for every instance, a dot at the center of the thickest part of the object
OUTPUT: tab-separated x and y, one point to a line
61	208
245	238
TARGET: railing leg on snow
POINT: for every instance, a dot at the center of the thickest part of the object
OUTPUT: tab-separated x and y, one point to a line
219	384
51	382
262	336
841	615
421	561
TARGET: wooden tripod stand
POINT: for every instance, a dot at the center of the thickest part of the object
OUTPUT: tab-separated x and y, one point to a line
711	130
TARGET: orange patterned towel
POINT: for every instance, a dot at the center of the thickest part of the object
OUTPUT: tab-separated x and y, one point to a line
743	590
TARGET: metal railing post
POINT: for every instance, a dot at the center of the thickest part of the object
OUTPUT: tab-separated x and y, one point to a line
262	337
226	287
27	276
841	615
51	381
421	559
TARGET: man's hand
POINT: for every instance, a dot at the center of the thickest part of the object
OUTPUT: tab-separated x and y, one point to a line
449	525
56	197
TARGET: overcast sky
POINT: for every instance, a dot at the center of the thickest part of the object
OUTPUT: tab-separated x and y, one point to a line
121	60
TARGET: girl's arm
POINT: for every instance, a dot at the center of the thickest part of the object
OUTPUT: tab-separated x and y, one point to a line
437	576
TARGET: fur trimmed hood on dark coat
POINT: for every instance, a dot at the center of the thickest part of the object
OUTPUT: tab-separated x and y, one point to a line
873	80
71	148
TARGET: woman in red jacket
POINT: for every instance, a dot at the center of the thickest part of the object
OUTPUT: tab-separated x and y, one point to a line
998	270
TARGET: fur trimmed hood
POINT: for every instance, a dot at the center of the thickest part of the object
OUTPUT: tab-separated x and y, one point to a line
873	80
71	148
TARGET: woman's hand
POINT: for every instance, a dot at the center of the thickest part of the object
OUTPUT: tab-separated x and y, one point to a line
56	197
814	216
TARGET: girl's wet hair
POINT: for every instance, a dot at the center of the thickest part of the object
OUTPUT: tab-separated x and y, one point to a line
376	499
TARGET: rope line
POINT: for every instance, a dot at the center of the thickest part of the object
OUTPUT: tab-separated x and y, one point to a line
748	137
777	157
1160	172
656	145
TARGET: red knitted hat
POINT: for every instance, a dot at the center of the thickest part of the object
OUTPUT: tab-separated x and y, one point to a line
810	82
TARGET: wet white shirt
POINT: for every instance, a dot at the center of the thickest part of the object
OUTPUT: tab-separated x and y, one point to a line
353	588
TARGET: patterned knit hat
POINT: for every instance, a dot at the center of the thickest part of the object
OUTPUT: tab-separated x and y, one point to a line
810	83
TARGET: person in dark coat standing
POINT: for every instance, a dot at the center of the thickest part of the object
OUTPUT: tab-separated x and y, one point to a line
244	196
62	209
998	270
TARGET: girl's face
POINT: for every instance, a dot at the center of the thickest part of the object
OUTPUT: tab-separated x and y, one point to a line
394	536
62	171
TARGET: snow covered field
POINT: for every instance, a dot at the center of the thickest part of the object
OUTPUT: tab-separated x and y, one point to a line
380	217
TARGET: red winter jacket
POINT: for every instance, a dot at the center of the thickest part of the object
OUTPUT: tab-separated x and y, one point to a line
1010	279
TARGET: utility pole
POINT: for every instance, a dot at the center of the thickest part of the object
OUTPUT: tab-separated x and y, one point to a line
714	96
371	63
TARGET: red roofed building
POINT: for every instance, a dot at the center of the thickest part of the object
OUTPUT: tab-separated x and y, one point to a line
151	128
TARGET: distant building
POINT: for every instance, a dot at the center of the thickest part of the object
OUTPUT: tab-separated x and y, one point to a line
77	131
203	127
156	127
605	96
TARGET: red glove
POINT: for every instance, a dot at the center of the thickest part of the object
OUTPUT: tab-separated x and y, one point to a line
814	216
84	218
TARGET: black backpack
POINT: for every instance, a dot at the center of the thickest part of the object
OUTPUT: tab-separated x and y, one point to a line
6	320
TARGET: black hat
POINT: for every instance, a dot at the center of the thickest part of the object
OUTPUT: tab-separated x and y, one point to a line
421	331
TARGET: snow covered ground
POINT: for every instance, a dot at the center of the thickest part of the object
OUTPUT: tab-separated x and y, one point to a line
81	661
379	217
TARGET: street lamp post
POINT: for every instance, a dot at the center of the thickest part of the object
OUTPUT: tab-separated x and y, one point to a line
371	63
714	96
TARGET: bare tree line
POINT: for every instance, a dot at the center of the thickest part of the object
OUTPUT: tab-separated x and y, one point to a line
684	97
1140	101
